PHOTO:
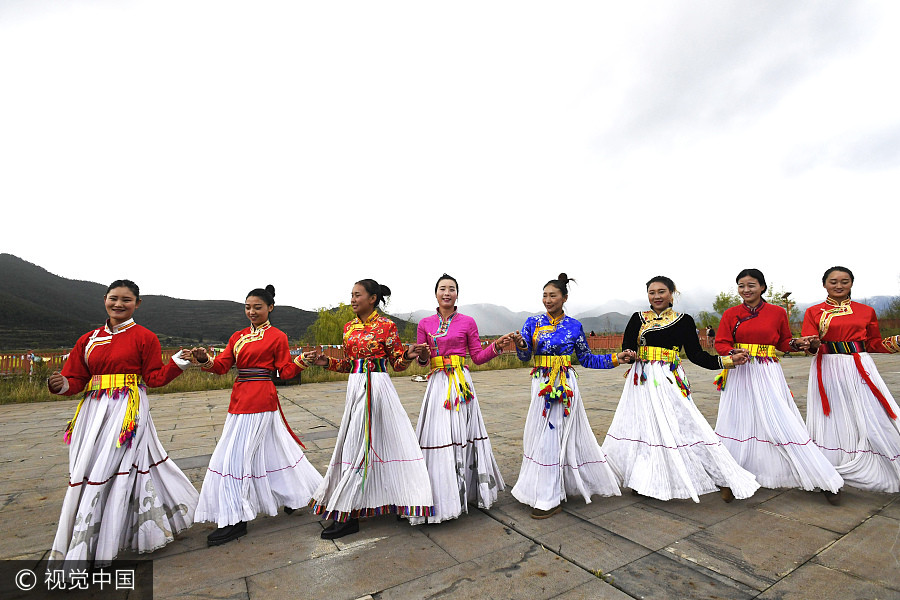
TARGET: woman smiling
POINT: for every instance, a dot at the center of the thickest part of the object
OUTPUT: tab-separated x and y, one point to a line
659	443
850	412
758	421
451	430
561	456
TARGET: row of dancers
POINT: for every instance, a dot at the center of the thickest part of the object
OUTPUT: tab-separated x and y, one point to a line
125	493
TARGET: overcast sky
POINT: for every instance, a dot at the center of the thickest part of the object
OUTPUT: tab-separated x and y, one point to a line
207	148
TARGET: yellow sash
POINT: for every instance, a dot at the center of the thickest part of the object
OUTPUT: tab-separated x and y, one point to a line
128	381
556	364
651	353
452	365
766	350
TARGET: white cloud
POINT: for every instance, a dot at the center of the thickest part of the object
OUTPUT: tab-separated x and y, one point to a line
309	146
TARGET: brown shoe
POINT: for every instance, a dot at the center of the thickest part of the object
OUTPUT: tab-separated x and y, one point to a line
537	513
727	496
834	498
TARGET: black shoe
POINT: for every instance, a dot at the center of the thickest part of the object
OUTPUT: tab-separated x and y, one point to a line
223	535
338	530
537	513
727	495
834	498
288	510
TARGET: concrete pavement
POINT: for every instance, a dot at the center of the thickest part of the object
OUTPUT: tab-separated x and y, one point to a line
782	544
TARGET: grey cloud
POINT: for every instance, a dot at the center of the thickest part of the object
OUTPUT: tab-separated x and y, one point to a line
716	64
867	151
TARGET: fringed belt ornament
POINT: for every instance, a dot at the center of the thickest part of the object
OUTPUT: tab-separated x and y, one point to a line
110	384
553	367
853	348
670	356
453	366
254	375
368	366
758	352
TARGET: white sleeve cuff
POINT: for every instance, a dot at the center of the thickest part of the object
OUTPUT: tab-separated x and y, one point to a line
64	389
182	363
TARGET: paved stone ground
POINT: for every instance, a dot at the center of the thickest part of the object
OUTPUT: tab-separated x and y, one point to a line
780	544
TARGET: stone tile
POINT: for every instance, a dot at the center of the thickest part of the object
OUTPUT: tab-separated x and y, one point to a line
646	525
595	589
235	589
249	555
600	505
658	576
815	581
518	516
812	508
754	548
592	548
456	536
869	552
892	510
522	571
711	509
365	566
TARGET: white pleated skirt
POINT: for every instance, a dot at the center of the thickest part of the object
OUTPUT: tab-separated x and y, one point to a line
256	468
761	427
660	445
858	437
394	478
561	456
457	451
130	498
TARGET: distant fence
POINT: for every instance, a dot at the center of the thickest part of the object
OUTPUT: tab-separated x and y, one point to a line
24	364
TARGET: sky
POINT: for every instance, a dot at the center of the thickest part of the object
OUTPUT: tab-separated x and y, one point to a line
205	148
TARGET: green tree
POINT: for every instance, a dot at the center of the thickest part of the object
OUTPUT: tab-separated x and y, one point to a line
408	333
329	325
706	319
778	296
892	311
725	300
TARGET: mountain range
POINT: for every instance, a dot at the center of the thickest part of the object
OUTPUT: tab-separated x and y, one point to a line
42	310
497	320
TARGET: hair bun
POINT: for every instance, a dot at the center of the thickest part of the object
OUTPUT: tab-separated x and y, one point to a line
563	278
384	291
271	289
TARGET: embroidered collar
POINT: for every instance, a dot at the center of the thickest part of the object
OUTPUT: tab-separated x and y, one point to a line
255	334
444	325
752	314
651	321
832	302
557	320
548	329
254	328
357	323
838	309
114	329
755	310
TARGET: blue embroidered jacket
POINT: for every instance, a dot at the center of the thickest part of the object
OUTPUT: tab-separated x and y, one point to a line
560	337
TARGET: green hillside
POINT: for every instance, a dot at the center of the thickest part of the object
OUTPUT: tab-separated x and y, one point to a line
42	310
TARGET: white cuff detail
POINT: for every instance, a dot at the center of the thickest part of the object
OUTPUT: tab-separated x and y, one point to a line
182	363
64	389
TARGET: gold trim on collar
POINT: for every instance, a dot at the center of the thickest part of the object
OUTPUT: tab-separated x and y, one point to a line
652	321
254	335
546	328
840	309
